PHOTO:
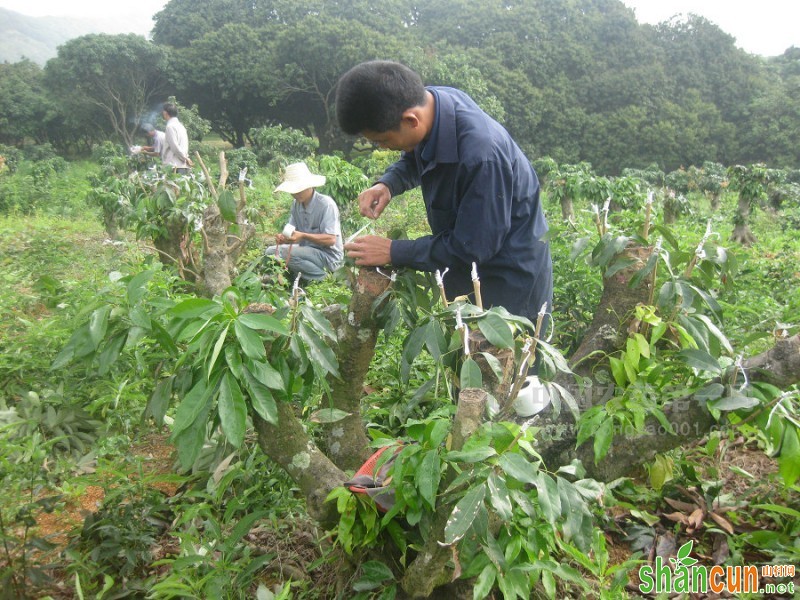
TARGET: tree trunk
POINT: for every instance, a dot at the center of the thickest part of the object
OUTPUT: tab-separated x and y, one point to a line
567	211
688	416
430	567
175	249
741	230
347	442
217	264
615	309
110	224
288	444
221	249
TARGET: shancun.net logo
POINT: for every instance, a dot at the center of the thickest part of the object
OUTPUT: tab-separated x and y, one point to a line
686	576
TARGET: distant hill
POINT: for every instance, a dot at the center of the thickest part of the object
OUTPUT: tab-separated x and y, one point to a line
38	38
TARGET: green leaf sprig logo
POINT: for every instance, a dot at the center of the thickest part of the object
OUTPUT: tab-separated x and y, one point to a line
683	560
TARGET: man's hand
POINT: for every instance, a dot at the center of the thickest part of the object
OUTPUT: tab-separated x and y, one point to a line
370	251
372	201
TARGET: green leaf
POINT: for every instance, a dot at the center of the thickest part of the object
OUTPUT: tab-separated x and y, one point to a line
374	574
234	360
784	510
436	431
734	401
661	471
159	401
710	392
232	410
227	206
789	459
217	350
139	316
137	286
484	584
320	323
194	403
262	321
548	496
618	371
267	374
464	514
494	364
518	467
499	496
322	354
496	330
261	398
194	307
242	528
98	324
700	359
163	337
602	439
471	376
251	342
189	441
471	456
644	346
427	477
715	332
328	415
110	353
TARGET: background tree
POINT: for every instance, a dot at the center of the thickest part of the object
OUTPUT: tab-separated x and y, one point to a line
677	94
110	80
25	106
751	183
227	73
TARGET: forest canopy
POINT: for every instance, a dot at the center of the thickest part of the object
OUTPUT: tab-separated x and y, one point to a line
576	80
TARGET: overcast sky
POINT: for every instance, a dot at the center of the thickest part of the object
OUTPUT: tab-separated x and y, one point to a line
766	27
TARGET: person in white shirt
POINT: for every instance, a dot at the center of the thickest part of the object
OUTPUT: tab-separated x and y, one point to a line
176	141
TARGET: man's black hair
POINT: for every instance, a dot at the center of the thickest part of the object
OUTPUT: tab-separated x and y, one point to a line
373	96
170	109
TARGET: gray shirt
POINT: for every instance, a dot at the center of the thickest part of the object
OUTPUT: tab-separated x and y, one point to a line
320	215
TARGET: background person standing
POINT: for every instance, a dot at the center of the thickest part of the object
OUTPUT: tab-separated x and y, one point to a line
176	141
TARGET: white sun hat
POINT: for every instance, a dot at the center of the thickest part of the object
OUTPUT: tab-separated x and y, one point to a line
297	178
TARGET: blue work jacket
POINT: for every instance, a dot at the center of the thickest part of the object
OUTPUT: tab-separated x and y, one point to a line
482	200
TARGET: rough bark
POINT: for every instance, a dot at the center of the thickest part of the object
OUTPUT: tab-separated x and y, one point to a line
289	445
567	212
688	416
347	442
741	230
780	365
175	248
429	569
109	222
220	247
616	306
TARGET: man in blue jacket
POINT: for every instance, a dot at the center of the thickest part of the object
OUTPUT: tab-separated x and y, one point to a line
481	192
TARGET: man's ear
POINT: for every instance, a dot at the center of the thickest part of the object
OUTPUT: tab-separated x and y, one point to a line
411	117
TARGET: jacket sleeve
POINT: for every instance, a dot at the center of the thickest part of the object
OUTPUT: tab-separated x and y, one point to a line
471	228
401	176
